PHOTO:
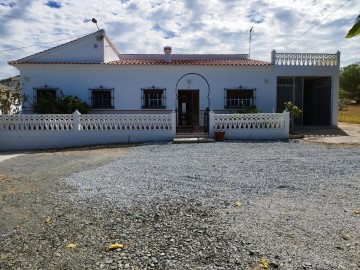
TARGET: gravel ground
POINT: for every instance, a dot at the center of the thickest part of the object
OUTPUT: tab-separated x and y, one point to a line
173	207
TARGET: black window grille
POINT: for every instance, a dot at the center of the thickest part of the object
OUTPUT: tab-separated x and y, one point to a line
239	98
153	98
45	93
285	81
102	98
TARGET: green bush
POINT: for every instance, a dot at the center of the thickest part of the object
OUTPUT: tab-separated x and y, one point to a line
61	105
343	104
248	110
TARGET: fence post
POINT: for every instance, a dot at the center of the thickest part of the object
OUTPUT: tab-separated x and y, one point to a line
211	122
76	122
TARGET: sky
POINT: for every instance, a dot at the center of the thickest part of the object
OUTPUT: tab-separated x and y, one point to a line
188	26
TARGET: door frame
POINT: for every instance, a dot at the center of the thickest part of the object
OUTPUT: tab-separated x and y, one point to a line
189	101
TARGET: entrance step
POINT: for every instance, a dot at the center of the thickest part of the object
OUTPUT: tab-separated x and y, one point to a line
193	140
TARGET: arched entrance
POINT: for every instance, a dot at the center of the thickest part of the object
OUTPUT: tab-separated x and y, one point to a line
192	104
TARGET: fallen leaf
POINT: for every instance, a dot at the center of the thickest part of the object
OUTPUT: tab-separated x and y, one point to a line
115	246
356	212
48	220
237	204
70	246
345	236
264	264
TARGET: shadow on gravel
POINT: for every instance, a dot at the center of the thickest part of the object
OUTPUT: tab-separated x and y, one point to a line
320	131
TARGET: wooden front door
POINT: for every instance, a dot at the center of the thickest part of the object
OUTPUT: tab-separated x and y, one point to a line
188	108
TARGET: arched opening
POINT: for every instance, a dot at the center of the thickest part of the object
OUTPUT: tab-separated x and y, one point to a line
190	99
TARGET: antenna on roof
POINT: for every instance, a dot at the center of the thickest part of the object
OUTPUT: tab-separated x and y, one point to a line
250	36
95	21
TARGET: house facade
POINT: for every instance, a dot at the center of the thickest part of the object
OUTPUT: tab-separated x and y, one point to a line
188	84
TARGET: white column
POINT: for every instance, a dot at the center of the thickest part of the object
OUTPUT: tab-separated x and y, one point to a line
76	122
273	53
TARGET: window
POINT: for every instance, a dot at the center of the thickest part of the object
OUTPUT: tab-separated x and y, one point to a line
239	98
153	98
102	98
288	81
45	93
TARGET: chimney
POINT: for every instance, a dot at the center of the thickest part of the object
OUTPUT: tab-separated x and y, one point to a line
167	51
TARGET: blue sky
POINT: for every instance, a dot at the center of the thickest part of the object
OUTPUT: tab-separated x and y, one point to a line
189	26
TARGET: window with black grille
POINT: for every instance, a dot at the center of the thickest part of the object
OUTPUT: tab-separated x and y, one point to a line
239	98
153	98
102	98
285	81
45	93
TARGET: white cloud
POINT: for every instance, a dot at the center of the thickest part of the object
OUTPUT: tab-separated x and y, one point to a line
189	26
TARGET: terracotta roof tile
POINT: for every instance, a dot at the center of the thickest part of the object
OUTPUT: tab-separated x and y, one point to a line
157	62
187	62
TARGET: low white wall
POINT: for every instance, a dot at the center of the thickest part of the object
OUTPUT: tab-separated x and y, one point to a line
34	132
23	140
262	126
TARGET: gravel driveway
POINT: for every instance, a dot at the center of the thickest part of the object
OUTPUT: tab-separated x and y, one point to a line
174	207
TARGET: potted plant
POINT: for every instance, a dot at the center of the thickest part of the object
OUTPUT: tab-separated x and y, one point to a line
219	135
295	112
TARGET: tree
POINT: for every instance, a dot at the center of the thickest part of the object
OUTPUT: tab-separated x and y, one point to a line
355	30
61	105
350	81
10	100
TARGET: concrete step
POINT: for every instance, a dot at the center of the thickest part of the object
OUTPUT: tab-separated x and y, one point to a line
187	139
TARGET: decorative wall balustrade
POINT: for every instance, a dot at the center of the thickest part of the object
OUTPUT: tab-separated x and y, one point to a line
249	121
34	122
29	132
305	59
126	122
76	121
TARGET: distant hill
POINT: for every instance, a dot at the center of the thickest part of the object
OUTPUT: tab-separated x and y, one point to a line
12	82
7	81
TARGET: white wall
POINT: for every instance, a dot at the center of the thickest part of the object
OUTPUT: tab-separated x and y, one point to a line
128	81
89	49
315	71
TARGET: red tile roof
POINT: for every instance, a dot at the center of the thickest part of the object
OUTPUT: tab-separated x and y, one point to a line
157	62
188	62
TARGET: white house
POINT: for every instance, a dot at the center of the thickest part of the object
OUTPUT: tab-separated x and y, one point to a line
155	97
111	82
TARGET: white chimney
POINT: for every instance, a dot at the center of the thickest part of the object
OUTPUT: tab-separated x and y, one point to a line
167	51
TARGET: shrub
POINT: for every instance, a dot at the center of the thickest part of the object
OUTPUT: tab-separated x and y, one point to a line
61	105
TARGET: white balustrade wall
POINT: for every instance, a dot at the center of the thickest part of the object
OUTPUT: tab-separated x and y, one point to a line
305	59
126	122
259	126
30	132
36	122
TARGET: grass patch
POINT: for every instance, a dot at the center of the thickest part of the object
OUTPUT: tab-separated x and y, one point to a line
350	115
